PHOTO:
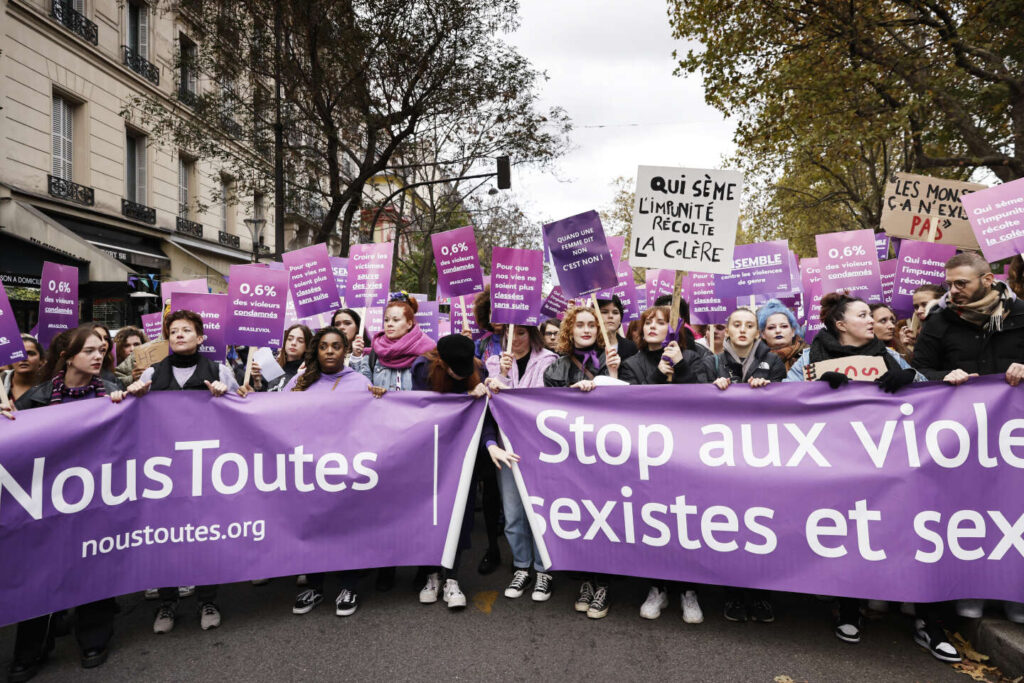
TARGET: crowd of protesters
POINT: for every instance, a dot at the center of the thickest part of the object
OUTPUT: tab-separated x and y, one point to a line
974	325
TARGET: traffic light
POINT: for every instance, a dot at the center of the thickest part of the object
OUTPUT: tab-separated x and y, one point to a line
504	177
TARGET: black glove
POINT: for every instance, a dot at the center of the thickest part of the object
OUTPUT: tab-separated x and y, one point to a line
894	380
834	379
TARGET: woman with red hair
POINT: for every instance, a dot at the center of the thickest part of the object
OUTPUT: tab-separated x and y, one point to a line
394	349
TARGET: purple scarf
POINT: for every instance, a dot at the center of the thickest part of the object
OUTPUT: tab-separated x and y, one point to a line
399	354
61	390
590	355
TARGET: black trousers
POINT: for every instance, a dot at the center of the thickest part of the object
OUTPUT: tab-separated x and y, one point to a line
94	626
349	579
203	594
485	472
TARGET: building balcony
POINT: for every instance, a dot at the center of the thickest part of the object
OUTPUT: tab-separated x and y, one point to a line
64	12
140	65
230	126
228	240
73	192
190	228
138	212
187	97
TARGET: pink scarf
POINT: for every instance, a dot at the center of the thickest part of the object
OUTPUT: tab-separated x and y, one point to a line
399	354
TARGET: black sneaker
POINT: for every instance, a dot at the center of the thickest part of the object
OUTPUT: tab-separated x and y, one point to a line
307	600
735	610
761	611
585	597
931	637
598	608
346	603
490	561
848	631
517	585
542	587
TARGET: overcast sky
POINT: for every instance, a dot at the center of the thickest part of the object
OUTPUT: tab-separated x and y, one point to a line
610	64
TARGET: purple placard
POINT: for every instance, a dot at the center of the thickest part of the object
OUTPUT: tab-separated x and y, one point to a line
213	310
153	325
516	279
554	304
580	252
444	326
458	262
427	318
888	271
761	268
659	283
810	278
641	298
625	290
258	302
12	349
849	262
168	288
705	307
616	245
58	301
882	246
997	219
369	274
920	263
311	280
339	266
459	323
374	320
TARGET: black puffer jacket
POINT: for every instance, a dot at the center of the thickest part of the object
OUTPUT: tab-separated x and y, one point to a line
948	342
766	365
564	373
40	395
642	368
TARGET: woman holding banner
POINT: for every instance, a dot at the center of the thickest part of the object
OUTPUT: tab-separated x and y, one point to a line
395	348
657	363
583	359
77	378
186	370
780	331
22	375
522	369
326	373
297	339
452	368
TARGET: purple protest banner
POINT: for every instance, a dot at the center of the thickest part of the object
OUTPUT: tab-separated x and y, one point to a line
257	306
997	219
761	268
810	278
339	266
369	274
659	283
705	307
516	279
791	490
849	262
920	263
213	310
427	318
168	288
882	246
12	349
152	325
458	263
58	301
580	253
311	280
187	470
888	271
554	304
373	319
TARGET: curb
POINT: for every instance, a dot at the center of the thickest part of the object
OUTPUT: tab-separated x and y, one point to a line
1001	640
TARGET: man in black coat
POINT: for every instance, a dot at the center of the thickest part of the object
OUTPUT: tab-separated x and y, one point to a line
977	328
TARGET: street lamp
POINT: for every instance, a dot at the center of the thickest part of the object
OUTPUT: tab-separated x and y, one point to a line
255	226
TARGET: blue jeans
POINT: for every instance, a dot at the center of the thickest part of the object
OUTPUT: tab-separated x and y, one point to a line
517	527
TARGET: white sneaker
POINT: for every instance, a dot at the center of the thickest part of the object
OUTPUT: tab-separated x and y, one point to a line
453	594
970	609
1014	611
185	591
692	613
433	586
301	580
152	593
656	601
209	616
164	621
542	587
880	606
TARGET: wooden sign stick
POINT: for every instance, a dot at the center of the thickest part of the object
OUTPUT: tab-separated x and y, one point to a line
600	321
673	316
5	402
465	316
511	331
362	321
248	365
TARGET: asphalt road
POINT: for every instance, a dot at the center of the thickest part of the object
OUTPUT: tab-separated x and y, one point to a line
393	637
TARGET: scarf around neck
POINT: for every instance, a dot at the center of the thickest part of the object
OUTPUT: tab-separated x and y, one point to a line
590	355
789	353
748	362
987	312
62	391
184	360
400	353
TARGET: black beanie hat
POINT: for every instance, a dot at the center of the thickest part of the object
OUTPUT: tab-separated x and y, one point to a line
457	353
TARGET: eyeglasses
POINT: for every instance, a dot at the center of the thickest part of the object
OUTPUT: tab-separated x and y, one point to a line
553	333
961	284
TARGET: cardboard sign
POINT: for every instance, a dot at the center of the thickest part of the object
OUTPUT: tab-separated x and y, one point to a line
311	280
580	252
12	349
916	203
257	306
849	262
857	368
213	311
458	262
920	263
369	274
997	219
685	218
58	301
761	268
516	279
150	353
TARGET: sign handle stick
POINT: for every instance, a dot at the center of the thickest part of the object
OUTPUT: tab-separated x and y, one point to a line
677	295
600	321
462	311
511	332
248	365
362	322
5	402
933	227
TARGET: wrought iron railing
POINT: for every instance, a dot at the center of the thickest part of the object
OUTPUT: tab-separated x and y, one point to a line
186	96
140	65
65	12
138	212
228	240
190	228
73	192
230	126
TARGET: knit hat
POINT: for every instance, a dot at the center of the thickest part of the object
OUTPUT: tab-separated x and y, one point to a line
457	353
